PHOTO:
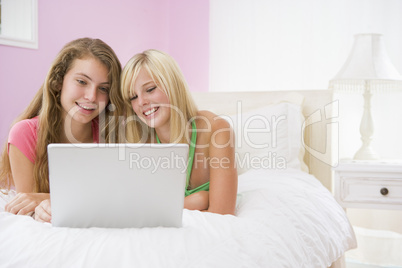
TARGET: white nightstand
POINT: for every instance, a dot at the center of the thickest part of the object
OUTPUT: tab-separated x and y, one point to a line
369	184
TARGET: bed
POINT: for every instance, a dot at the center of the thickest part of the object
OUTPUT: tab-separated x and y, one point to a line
286	215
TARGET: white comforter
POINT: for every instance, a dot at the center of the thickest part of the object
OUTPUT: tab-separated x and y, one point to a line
284	219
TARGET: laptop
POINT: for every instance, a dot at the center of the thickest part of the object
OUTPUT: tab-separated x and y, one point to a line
117	185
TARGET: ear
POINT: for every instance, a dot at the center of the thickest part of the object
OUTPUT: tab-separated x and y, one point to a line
58	91
58	87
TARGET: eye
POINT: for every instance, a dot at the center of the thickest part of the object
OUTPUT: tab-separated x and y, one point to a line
81	82
133	98
104	89
151	89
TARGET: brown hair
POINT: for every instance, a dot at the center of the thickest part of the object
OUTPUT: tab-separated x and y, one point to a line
46	105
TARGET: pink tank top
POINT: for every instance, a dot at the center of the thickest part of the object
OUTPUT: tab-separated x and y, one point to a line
24	136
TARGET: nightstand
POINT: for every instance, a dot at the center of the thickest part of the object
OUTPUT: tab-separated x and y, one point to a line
369	184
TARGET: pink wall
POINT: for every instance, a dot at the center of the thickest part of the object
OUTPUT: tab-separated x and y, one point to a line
179	27
189	40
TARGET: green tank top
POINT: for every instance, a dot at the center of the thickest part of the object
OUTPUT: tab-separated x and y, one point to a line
205	186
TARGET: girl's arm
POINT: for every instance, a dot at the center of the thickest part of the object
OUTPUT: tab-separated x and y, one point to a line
22	169
197	201
223	173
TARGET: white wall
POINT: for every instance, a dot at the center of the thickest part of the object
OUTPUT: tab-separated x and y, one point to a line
292	44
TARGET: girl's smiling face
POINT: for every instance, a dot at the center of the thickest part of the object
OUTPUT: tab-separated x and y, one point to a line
85	90
150	102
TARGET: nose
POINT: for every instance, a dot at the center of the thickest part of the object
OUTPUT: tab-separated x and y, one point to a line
142	100
90	93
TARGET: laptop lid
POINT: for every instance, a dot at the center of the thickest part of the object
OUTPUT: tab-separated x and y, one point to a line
117	185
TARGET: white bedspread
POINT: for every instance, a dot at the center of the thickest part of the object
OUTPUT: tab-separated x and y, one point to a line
284	219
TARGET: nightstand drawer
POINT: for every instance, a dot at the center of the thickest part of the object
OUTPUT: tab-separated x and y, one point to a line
369	185
371	190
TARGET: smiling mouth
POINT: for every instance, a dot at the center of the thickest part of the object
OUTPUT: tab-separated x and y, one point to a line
85	107
153	110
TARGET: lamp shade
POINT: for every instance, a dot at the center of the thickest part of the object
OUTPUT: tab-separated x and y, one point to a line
368	62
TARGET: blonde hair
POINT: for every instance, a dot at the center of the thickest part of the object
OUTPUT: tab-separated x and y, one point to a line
166	73
46	105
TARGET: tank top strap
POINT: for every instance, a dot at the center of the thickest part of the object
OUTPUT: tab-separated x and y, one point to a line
191	152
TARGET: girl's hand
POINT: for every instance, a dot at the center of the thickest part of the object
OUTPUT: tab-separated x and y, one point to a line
25	203
43	212
197	201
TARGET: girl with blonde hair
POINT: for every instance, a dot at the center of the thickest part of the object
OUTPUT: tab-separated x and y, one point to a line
72	106
160	109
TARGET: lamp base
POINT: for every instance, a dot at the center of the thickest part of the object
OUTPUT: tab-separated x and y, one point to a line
366	129
366	153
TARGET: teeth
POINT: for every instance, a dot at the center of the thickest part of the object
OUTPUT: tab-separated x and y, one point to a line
151	111
85	107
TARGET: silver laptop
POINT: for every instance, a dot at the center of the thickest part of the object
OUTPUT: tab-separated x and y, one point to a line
117	185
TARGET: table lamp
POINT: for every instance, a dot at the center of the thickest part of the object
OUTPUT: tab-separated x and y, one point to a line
367	70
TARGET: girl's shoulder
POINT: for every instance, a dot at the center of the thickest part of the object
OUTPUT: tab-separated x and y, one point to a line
26	125
213	130
23	135
210	120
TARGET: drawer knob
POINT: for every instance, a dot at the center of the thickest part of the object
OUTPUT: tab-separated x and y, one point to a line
384	191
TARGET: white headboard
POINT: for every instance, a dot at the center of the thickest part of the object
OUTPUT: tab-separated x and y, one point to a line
317	109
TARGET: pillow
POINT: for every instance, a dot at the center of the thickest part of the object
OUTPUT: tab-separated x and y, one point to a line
269	137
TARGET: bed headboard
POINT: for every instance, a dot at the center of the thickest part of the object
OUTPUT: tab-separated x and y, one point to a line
317	108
